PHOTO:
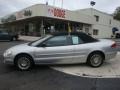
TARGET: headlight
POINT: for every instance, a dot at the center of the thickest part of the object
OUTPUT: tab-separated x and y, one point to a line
7	53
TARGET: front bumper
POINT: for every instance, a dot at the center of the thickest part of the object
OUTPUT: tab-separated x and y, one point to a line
8	60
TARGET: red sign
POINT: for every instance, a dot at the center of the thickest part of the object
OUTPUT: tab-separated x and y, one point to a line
57	12
19	15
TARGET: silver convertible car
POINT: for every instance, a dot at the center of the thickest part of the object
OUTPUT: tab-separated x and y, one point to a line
61	48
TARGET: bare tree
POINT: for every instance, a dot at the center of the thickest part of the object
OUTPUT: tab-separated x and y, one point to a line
117	13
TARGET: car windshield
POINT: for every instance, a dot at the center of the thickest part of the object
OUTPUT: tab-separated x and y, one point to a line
36	42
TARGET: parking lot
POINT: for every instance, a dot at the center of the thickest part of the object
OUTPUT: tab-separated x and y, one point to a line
49	78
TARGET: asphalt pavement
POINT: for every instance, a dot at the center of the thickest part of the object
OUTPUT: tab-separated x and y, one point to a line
45	78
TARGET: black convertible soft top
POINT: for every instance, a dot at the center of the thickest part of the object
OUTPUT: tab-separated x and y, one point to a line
86	38
66	33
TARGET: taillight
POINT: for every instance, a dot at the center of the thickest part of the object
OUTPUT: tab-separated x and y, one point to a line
114	45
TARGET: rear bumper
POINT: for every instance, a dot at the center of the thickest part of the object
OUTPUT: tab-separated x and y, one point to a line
110	55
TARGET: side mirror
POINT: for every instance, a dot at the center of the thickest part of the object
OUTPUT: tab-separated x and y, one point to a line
43	45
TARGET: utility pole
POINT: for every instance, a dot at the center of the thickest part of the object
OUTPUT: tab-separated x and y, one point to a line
46	2
92	3
62	4
42	28
53	2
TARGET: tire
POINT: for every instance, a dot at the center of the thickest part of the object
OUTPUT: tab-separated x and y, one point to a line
95	59
23	62
11	39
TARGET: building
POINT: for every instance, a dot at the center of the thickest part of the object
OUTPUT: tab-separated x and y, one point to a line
40	19
104	23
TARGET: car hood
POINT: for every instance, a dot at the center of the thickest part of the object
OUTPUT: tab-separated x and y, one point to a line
22	48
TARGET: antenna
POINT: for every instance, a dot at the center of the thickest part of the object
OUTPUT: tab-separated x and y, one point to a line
53	2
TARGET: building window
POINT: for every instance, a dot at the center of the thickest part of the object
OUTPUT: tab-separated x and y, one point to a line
86	30
110	21
95	32
97	18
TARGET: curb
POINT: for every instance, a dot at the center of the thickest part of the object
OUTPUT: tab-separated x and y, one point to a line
110	69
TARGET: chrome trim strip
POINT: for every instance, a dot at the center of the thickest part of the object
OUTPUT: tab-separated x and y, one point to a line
60	57
62	53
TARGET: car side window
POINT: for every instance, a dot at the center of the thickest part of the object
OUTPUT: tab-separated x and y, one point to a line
57	41
87	39
76	40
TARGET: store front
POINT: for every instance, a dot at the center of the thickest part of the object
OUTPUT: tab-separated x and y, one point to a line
46	20
39	26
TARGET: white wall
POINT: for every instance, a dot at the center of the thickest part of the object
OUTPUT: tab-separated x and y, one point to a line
0	21
42	10
104	26
104	18
104	31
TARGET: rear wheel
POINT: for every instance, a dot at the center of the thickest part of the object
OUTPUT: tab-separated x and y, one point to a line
23	62
95	59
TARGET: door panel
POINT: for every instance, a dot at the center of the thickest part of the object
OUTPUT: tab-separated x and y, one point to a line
81	52
57	49
81	49
59	54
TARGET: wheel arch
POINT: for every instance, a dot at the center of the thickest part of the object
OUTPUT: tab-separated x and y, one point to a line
97	51
23	54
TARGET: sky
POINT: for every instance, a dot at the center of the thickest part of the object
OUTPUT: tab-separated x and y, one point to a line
10	6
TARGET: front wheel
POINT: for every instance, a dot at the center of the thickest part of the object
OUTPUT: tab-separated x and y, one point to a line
95	59
23	62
